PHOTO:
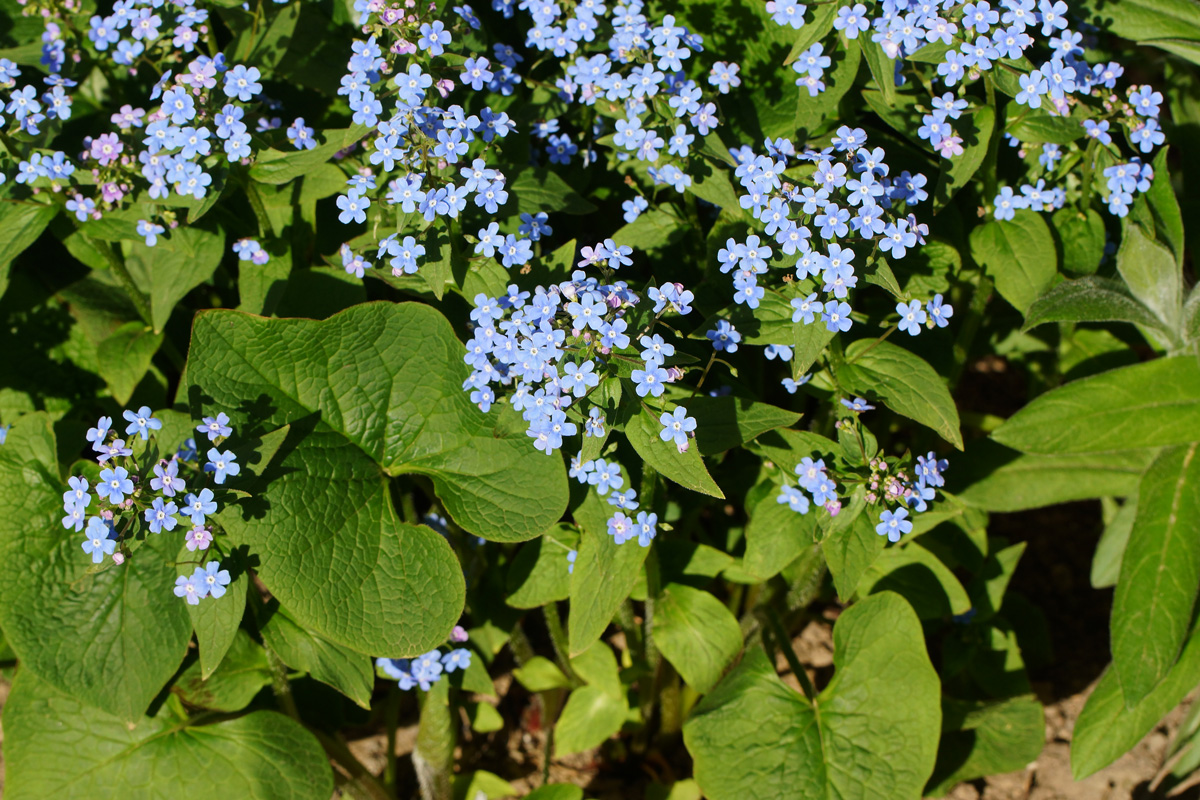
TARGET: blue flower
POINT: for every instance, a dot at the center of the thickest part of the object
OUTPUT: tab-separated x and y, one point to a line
724	337
353	208
605	476
114	485
571	556
475	72
215	427
161	516
646	528
676	427
457	659
98	542
836	316
621	528
793	498
198	507
859	404
191	587
939	312
222	464
149	230
141	423
912	317
893	524
300	135
167	480
652	381
213	578
434	38
627	500
241	83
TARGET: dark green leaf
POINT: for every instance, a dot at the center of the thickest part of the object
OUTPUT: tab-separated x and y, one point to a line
687	468
723	423
1019	254
696	633
962	168
1089	299
346	670
1153	275
604	574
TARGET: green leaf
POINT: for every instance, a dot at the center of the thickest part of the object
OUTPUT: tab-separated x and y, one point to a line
919	577
753	736
1045	129
1164	206
687	468
539	674
1160	574
904	382
481	784
605	573
883	68
775	534
1083	238
787	447
1089	299
558	791
173	267
696	633
371	392
986	738
216	623
1152	19
723	423
243	672
996	478
850	551
1151	272
542	190
590	716
276	167
597	666
346	670
1107	727
124	357
24	223
55	606
1019	254
56	747
1154	404
963	168
1110	550
538	575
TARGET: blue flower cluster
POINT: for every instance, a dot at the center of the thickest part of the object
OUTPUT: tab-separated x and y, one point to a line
607	478
551	349
426	670
124	500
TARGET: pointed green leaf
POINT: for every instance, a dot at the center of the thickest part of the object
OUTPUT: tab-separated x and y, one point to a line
1151	272
75	625
173	267
686	468
723	423
1154	404
754	736
904	382
986	738
346	670
56	747
1089	300
538	575
696	633
243	672
1160	574
590	716
1019	254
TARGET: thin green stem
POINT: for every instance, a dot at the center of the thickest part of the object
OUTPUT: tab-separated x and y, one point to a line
785	644
558	637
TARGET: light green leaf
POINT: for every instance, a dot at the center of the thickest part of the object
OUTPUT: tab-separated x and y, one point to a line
1154	404
539	674
71	624
605	573
1019	254
280	166
542	190
24	223
753	736
1160	574
723	423
370	392
597	666
883	68
1110	550
1046	129
986	738
918	576
850	551
335	665
775	534
687	468
590	716
904	382
1107	728
696	633
56	747
558	791
1089	299
1151	272
124	357
215	621
962	168
538	575
243	672
1152	19
173	267
1082	238
995	478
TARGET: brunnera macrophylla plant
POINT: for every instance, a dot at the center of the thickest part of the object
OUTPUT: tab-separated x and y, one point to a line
598	344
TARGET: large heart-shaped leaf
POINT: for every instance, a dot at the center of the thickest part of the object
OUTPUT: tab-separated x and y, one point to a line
372	392
57	747
873	732
110	637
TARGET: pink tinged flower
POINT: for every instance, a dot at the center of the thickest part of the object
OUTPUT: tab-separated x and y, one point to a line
459	634
111	192
950	146
444	87
118	558
834	507
198	538
106	148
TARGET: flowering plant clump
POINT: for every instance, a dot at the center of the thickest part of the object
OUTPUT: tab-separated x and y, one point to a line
582	356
